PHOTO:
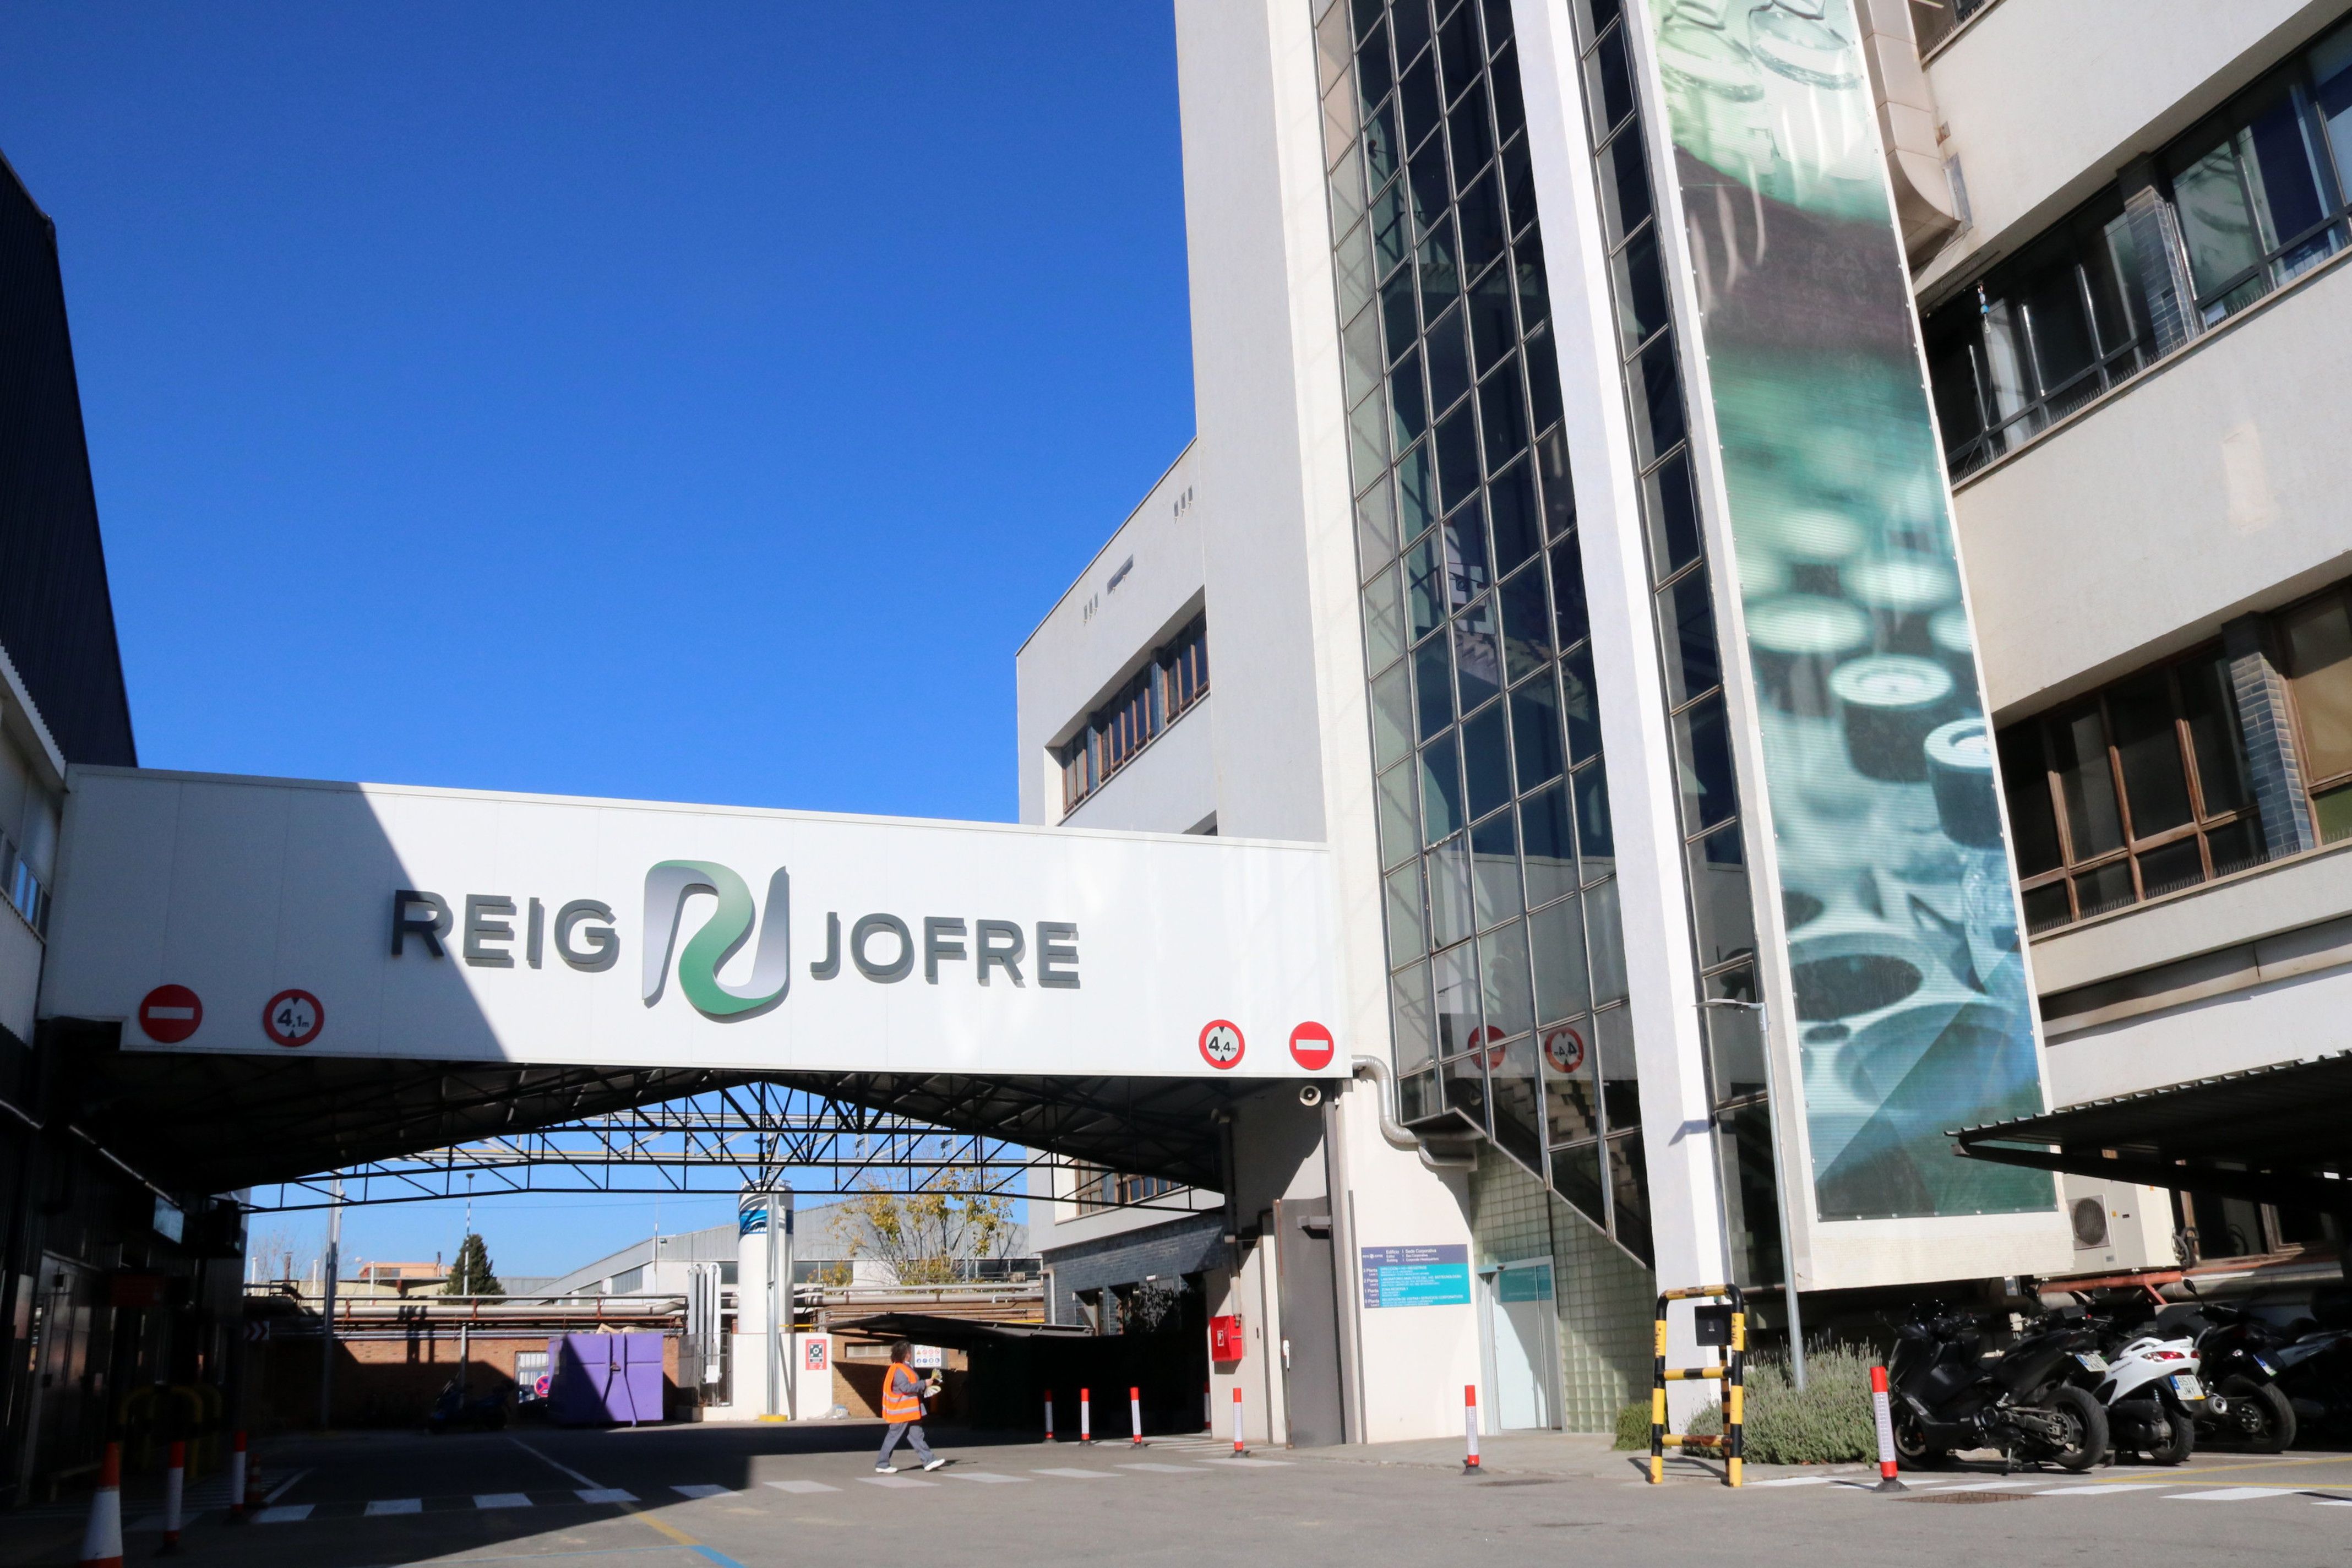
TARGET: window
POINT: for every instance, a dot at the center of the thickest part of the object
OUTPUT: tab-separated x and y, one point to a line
1491	801
1172	680
2315	638
2134	791
1099	1189
2258	196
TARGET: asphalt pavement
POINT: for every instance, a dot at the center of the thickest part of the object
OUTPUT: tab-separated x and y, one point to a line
762	1495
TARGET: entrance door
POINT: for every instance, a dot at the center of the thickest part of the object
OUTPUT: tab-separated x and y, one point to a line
1309	1351
1521	1339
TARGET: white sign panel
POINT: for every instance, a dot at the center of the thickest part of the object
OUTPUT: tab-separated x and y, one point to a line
373	920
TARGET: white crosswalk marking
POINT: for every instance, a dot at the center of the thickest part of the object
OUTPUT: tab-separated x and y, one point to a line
285	1513
987	1477
899	1481
702	1489
1079	1475
2227	1494
1796	1481
803	1487
1247	1464
1166	1470
394	1505
605	1494
2096	1487
501	1500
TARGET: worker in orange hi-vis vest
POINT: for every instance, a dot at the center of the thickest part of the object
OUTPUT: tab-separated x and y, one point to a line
902	1406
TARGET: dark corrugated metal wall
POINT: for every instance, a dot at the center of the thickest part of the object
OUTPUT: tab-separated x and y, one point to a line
56	618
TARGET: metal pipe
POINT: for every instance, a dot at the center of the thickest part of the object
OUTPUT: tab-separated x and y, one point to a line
1395	1134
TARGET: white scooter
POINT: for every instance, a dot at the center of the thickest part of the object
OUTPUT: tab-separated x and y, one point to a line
2153	1396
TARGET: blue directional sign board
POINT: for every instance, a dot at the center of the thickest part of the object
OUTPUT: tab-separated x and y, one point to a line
1416	1275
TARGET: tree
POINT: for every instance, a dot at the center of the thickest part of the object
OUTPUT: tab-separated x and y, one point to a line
471	1275
922	1237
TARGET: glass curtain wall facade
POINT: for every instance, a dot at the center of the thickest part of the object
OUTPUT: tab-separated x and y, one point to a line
1506	961
1722	916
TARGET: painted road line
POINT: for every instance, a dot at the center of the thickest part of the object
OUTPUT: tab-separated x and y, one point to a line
1078	1475
2227	1494
2096	1487
1246	1464
1165	1469
391	1505
1796	1481
591	1492
803	1487
605	1494
289	1513
898	1482
2333	1501
987	1477
703	1490
501	1500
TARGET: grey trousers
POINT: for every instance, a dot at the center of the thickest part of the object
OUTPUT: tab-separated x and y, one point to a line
910	1430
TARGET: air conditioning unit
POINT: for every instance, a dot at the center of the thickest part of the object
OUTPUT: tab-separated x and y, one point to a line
2117	1226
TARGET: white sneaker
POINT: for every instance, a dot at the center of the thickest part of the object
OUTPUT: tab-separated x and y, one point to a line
935	1464
886	1469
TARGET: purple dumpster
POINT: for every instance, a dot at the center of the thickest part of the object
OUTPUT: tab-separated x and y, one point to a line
603	1380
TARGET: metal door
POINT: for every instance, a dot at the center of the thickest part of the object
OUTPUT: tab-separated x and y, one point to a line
1310	1322
1520	1345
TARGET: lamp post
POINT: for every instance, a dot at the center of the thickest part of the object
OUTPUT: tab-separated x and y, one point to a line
1780	1181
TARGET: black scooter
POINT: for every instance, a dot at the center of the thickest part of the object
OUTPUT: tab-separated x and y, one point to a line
1948	1394
2276	1382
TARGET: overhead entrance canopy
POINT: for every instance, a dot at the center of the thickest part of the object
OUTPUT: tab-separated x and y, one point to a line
2276	1134
278	977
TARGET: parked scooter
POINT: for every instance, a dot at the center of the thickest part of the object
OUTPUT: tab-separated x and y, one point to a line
453	1412
2026	1401
2271	1382
2149	1382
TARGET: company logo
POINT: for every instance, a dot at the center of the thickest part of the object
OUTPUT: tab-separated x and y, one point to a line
722	936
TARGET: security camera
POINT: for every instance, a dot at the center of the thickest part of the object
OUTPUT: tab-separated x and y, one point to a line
1310	1095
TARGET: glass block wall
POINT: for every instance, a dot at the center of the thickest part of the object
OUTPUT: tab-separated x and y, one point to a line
1506	964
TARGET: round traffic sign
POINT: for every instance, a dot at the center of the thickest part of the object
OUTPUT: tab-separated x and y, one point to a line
1491	1038
170	1013
1311	1047
1220	1044
1563	1050
293	1018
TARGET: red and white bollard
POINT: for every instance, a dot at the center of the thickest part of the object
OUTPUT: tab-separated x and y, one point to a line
102	1540
1238	1450
1886	1416
1470	1426
174	1488
236	1476
1085	1417
1135	1416
1049	1415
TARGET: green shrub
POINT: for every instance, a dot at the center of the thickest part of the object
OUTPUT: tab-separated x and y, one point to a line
1830	1423
1634	1424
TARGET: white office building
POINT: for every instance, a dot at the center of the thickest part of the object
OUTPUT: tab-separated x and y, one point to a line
1651	457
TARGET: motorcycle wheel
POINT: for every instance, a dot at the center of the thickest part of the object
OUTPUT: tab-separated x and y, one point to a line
2181	1439
2086	1443
2275	1429
1911	1449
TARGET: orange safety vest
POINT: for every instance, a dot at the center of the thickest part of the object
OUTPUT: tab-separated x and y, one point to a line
898	1406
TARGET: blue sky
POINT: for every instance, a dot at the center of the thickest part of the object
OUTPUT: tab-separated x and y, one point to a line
691	403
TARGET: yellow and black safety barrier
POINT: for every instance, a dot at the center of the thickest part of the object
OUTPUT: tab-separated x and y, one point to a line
1729	1373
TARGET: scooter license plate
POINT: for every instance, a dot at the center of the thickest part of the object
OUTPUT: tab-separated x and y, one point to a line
2187	1386
2092	1361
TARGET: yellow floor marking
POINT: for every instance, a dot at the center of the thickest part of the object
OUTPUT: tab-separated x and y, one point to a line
666	1527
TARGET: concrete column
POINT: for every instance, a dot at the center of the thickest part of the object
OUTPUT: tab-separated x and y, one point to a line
2273	764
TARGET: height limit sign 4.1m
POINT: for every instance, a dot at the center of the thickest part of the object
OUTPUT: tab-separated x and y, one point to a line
293	1018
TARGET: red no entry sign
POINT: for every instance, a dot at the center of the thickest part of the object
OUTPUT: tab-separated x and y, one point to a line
1491	1038
170	1013
1311	1047
293	1018
1220	1044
